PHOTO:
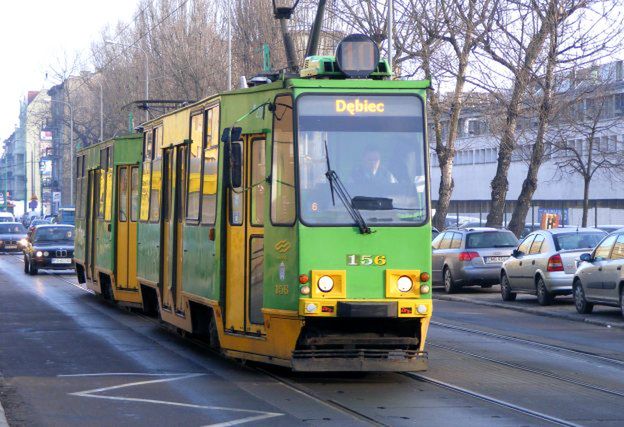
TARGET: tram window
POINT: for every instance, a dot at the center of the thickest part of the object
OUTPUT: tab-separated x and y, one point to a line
282	169
145	191
148	146
158	142
256	280
109	185
210	167
123	195
102	192
258	183
134	194
154	204
194	168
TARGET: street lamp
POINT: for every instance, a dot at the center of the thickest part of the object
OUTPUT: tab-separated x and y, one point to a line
125	46
71	149
283	10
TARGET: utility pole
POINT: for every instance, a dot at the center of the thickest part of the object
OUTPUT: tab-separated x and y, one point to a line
229	48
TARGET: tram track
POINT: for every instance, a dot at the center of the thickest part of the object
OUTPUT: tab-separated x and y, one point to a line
551	347
498	402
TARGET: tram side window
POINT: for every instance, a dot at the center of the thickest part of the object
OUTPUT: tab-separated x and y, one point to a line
102	192
122	201
134	194
283	170
154	211
109	185
146	175
210	167
78	186
258	171
194	168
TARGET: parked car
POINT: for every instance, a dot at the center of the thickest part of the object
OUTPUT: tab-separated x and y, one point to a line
66	216
599	278
610	228
472	256
6	217
50	246
434	233
11	236
37	221
545	262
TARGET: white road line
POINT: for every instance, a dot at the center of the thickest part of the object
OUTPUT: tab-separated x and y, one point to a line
126	374
260	415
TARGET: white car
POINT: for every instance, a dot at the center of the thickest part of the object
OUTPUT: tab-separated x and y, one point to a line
6	217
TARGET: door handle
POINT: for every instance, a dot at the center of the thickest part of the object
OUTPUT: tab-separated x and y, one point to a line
533	262
599	268
619	268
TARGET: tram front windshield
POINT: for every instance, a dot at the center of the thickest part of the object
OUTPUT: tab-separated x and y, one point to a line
375	145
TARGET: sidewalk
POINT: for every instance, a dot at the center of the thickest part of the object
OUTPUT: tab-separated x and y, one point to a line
563	307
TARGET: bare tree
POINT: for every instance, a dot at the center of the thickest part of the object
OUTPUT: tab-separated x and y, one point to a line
585	143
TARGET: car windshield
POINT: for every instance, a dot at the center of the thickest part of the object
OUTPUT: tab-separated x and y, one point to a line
374	144
578	240
54	234
491	239
12	229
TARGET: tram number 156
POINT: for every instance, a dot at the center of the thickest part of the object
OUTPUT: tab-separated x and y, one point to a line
355	260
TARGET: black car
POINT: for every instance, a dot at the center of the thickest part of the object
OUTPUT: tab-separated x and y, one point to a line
11	236
50	246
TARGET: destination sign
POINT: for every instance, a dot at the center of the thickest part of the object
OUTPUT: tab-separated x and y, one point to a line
359	106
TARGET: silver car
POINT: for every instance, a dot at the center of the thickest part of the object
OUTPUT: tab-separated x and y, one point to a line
471	256
545	262
599	278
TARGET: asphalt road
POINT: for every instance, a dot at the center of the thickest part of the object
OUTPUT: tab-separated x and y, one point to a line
67	358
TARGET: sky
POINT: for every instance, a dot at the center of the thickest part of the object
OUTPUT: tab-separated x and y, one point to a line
37	34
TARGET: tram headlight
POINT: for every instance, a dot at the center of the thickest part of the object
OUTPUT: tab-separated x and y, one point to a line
404	284
325	283
311	308
305	290
421	309
424	289
39	254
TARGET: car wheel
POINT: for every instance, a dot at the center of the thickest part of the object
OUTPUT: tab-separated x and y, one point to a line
26	269
506	293
449	284
581	304
543	296
32	270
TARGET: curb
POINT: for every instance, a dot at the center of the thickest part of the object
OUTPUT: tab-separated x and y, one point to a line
572	317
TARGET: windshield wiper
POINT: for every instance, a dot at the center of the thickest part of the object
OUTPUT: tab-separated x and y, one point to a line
336	185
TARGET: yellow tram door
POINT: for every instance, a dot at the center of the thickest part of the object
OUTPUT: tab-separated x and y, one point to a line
174	172
126	227
245	240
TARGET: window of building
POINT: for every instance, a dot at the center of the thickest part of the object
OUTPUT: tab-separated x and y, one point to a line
283	166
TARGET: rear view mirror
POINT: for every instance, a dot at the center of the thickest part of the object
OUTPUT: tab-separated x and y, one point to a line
586	257
235	154
517	253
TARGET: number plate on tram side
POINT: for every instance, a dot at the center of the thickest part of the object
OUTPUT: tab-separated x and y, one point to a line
61	260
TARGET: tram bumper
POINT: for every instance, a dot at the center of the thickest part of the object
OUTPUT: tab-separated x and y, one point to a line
354	360
363	335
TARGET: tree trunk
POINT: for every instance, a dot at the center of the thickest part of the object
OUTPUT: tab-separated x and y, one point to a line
518	218
586	182
444	194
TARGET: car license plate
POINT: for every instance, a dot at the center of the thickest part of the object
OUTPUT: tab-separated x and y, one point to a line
10	247
492	259
61	260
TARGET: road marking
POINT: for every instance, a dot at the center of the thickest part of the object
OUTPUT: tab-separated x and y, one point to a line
94	393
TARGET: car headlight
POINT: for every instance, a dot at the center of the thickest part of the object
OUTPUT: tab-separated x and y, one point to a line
46	253
325	283
404	284
23	242
39	254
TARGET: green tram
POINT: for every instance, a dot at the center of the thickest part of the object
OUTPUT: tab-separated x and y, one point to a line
287	222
